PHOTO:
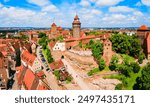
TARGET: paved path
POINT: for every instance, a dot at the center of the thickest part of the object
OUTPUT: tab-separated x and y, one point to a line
76	77
51	80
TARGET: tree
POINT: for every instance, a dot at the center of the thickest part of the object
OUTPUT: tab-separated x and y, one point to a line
119	87
97	49
49	56
141	57
135	66
18	58
124	44
143	82
101	64
113	62
41	34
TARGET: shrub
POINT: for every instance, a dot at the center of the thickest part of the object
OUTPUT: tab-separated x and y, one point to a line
119	87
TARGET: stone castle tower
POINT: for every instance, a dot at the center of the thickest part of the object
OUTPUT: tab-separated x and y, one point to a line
76	25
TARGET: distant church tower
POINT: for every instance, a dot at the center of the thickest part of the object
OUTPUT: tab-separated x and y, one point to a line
76	25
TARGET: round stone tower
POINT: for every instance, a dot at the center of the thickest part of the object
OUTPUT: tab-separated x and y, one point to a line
76	25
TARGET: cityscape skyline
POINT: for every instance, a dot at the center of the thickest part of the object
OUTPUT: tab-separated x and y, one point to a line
92	13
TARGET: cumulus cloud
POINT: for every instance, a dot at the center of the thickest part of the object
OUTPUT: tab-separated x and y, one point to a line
107	2
121	9
146	2
84	3
12	16
39	2
50	8
46	5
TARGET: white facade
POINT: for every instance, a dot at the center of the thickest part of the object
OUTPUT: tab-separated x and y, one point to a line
59	46
36	67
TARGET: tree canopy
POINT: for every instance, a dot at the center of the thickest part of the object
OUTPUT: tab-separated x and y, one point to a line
143	82
126	44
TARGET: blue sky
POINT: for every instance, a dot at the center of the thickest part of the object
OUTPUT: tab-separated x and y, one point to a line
92	13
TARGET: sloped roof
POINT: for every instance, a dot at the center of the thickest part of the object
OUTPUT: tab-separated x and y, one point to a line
28	57
30	80
56	65
143	27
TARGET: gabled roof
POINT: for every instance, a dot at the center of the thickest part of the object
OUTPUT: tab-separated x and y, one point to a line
51	44
56	65
30	80
28	57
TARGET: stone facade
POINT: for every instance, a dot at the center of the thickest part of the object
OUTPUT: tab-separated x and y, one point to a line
76	25
107	51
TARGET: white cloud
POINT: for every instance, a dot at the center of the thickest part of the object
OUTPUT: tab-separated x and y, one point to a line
39	2
146	2
84	3
45	5
96	12
138	13
12	16
121	9
50	8
107	2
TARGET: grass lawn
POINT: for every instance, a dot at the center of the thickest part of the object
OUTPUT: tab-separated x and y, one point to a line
96	71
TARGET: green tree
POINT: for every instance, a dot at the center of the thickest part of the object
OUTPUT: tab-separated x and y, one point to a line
143	82
41	34
124	44
141	57
113	62
49	56
18	58
101	64
119	87
135	66
97	49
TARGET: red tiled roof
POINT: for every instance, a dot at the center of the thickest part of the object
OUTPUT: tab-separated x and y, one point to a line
143	27
51	44
82	34
4	53
28	57
148	43
40	74
54	24
28	79
65	32
76	17
59	28
56	65
76	20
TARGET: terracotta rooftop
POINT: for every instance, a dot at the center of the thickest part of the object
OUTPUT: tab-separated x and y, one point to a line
29	79
56	65
143	27
28	57
51	44
54	24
